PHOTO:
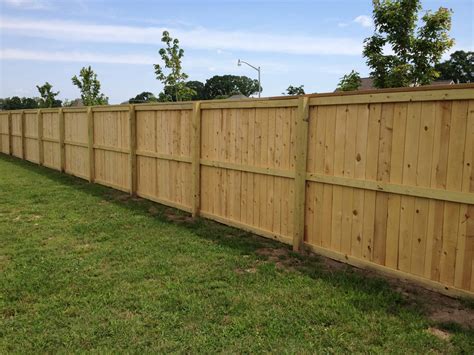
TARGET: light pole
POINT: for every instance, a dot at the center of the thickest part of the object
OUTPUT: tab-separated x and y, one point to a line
239	63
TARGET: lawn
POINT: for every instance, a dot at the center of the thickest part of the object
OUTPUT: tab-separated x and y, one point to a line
84	267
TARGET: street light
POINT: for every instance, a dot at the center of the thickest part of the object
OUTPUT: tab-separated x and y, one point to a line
239	63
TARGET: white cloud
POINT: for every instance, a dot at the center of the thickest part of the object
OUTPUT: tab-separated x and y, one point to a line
55	56
196	38
191	63
28	4
364	21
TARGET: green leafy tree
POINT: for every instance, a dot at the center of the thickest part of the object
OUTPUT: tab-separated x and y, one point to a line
17	103
223	86
459	67
48	96
416	49
294	90
349	82
175	88
89	86
198	88
144	97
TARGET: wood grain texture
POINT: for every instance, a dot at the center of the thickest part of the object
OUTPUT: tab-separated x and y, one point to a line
383	179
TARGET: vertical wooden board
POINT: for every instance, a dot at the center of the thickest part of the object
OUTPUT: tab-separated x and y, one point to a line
311	234
318	167
407	203
51	155
383	174
75	127
371	174
277	182
349	171
31	150
465	242
258	132
301	150
396	175
51	125
244	145
263	192
329	148
438	180
206	125
359	173
238	137
423	178
206	189
146	131
285	165
230	134
454	182
146	176
31	125
337	199
207	152
30	143
219	194
270	180
76	161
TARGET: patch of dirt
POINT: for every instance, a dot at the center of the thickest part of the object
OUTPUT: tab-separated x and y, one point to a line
281	257
153	211
437	307
441	334
172	216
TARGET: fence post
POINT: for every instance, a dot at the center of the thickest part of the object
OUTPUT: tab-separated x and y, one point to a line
195	158
22	126
300	172
10	137
90	136
39	119
132	126
62	149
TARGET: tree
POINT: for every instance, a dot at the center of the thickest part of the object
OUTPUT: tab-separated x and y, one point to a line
89	86
223	86
144	97
350	82
175	79
198	88
48	97
17	103
459	67
294	90
416	49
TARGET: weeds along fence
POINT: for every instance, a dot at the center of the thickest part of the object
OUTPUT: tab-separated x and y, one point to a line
380	179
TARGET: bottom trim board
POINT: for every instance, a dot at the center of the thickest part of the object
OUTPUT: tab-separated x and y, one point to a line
384	270
247	227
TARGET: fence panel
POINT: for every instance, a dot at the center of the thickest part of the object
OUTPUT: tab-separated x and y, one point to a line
111	149
4	135
245	152
50	139
164	155
30	136
16	134
76	143
385	179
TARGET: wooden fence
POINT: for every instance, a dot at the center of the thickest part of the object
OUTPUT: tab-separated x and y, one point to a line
379	179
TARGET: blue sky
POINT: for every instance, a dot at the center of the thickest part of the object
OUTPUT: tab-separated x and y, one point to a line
310	43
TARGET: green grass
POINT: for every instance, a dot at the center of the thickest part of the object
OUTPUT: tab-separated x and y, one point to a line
84	268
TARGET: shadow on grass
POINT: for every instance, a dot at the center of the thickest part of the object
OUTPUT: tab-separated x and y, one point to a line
373	292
